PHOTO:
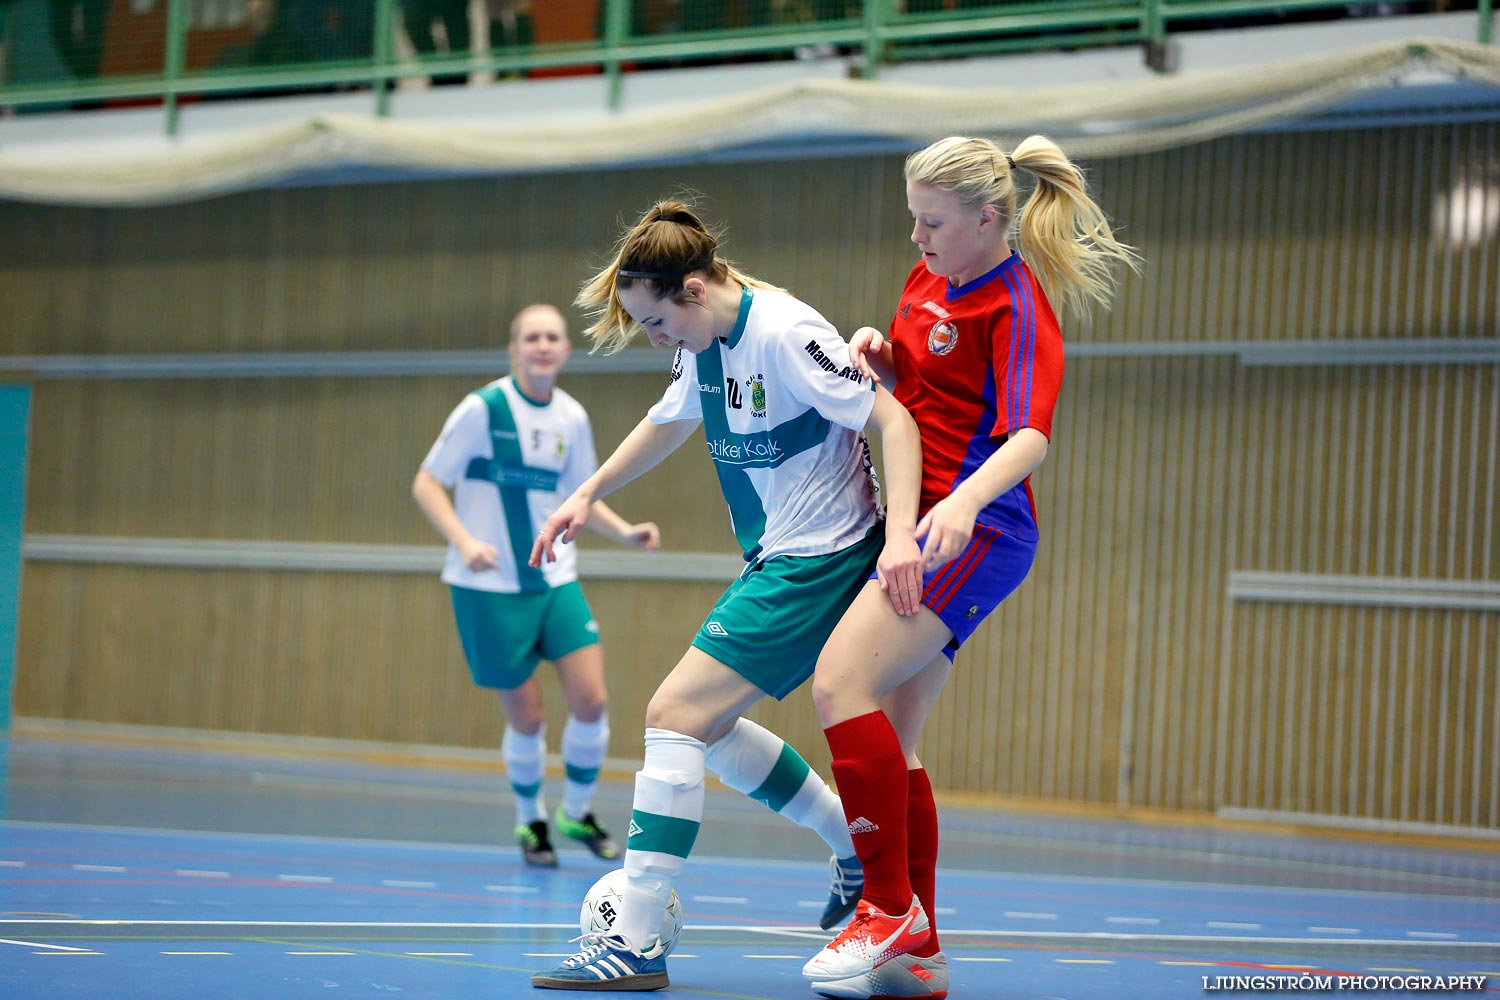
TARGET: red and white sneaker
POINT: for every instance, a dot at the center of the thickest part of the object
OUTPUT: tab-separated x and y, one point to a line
871	939
905	976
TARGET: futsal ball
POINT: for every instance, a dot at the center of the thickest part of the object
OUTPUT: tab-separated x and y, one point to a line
603	903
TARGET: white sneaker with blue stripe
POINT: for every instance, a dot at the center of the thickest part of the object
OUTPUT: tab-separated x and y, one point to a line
606	962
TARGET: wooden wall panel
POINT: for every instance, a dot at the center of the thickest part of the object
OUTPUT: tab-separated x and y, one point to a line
1385	714
347	655
304	459
1120	673
1242	240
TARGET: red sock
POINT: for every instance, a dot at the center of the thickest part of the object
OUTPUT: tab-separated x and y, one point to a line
870	770
922	851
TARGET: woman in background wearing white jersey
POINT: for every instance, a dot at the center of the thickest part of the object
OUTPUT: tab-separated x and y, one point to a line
511	452
783	409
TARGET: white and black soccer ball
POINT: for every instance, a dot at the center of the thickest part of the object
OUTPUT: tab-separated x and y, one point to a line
597	915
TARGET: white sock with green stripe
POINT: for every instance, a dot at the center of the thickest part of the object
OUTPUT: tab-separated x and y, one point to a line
757	762
525	757
664	821
583	745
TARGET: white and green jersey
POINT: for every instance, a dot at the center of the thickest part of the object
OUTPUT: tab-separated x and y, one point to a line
783	410
510	462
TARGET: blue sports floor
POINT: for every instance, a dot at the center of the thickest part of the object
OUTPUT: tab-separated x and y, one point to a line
140	872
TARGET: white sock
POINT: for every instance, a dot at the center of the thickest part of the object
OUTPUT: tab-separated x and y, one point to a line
525	758
583	746
757	762
664	821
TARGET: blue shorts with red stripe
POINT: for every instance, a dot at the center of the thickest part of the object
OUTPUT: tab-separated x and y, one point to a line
963	592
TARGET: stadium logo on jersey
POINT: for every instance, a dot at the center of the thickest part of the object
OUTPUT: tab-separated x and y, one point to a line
936	310
942	338
815	351
757	395
676	367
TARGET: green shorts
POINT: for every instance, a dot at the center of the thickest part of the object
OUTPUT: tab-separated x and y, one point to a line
771	624
506	635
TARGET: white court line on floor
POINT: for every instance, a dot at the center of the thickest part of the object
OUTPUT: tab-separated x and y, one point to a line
737	900
99	868
313	879
191	873
392	883
802	932
36	944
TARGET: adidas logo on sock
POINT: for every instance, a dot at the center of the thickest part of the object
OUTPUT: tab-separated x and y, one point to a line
862	825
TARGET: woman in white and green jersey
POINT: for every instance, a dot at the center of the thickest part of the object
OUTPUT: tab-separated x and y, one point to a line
784	410
510	452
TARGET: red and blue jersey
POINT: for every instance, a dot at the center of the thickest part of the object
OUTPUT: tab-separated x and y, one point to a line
974	364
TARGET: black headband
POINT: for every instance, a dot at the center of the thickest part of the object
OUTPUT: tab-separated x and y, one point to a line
665	275
1009	162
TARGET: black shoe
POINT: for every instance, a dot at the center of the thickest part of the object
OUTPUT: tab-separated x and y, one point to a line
588	832
536	844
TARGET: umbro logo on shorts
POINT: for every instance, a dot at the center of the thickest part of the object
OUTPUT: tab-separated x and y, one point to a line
714	628
862	825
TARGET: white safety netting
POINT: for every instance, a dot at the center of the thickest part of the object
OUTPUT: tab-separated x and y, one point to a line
1091	120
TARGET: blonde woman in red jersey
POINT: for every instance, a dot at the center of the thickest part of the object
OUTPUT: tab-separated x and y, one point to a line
975	353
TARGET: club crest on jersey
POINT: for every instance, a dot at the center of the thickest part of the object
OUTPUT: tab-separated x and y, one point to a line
942	338
757	395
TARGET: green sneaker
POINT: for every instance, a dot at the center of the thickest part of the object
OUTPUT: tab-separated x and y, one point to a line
589	832
536	844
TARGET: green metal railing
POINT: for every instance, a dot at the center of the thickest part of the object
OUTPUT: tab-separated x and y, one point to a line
879	31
